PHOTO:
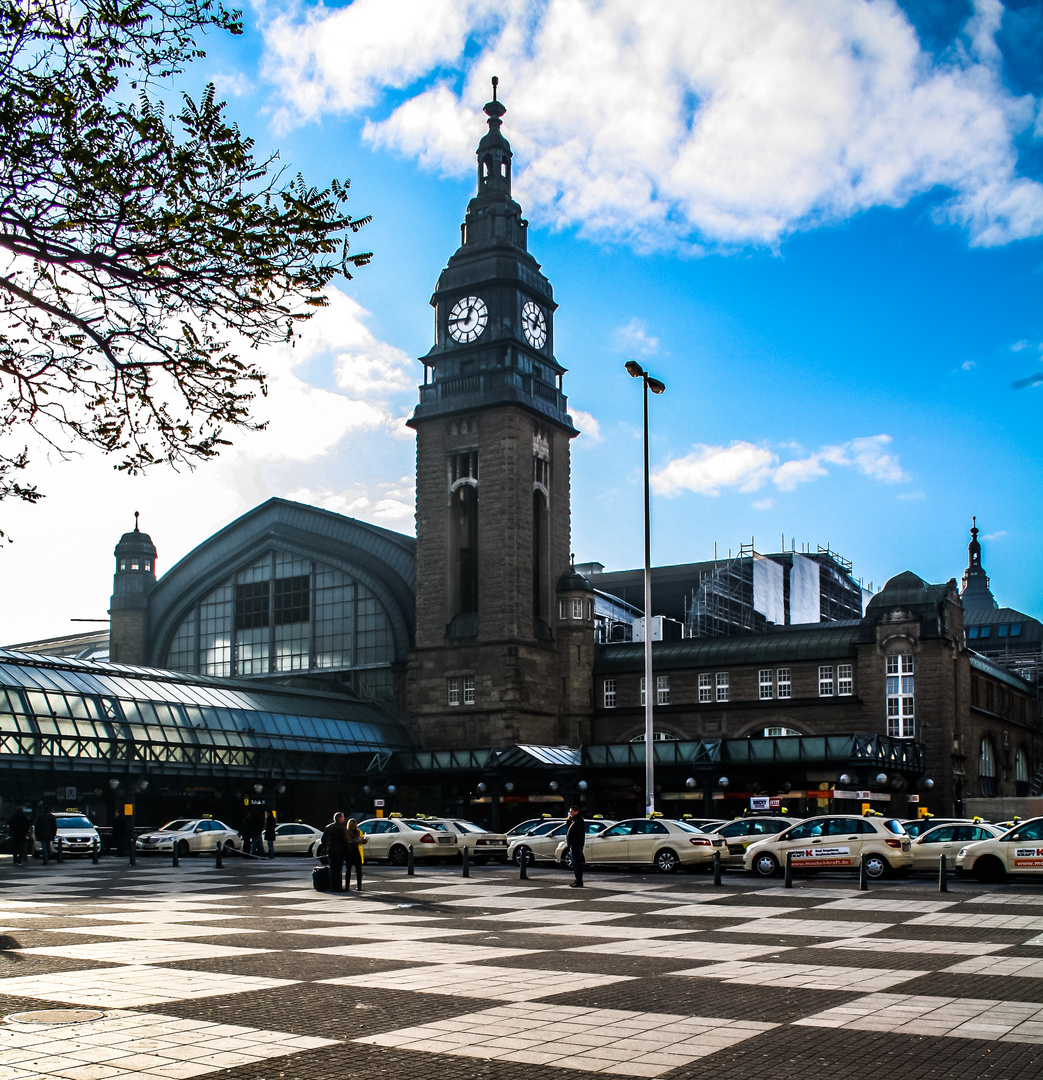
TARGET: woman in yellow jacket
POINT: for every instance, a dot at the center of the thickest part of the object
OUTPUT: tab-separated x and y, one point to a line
354	853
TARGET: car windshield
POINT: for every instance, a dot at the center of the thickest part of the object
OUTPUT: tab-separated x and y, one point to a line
895	826
74	823
177	826
687	827
467	826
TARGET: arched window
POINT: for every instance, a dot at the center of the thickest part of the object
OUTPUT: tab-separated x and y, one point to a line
987	769
1021	773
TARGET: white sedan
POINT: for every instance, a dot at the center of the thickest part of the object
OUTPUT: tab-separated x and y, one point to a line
296	838
190	835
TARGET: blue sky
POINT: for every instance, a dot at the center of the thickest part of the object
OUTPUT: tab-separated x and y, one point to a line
818	222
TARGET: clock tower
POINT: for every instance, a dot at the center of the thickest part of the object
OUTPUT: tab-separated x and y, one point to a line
499	657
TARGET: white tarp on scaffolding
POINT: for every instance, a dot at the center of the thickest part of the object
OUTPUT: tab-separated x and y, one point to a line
804	601
768	589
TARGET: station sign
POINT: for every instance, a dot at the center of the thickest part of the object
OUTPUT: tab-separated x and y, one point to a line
766	802
378	802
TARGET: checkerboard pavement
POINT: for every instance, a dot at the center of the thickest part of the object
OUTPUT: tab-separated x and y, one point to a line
246	973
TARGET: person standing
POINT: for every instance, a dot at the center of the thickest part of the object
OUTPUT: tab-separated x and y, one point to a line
335	837
19	828
575	835
46	829
355	841
269	833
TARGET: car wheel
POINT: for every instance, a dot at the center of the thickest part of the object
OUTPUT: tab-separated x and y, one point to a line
229	845
398	856
182	849
765	864
667	861
311	851
522	852
566	859
990	870
877	867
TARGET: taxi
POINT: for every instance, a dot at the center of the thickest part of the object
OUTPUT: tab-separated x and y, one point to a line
733	838
296	838
1018	851
663	843
190	835
918	826
835	842
482	844
542	847
947	839
76	832
525	828
390	838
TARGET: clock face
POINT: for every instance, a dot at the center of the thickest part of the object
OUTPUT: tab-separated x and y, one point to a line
467	318
534	323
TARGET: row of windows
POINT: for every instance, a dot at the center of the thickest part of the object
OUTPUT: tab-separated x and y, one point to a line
987	781
1002	630
574	609
455	685
901	707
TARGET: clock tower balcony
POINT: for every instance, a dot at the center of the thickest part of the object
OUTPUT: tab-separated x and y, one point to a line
482	389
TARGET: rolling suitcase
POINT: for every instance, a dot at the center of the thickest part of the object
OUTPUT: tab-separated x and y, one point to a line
320	878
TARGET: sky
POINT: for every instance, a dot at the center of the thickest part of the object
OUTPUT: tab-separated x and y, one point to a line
819	222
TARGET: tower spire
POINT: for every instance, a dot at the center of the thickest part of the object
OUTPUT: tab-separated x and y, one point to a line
975	591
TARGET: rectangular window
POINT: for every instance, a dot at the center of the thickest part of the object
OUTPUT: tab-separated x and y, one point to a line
825	680
292	600
705	688
662	690
563	610
845	680
722	685
610	694
468	689
1001	630
454	691
577	609
251	605
901	710
765	684
783	683
972	632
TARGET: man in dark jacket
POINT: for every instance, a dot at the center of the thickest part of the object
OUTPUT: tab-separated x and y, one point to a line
575	835
19	828
45	829
335	837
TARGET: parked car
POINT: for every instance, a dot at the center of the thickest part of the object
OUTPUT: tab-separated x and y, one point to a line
296	838
482	844
542	848
76	832
833	842
390	838
191	835
734	837
661	842
918	826
524	828
1017	851
948	839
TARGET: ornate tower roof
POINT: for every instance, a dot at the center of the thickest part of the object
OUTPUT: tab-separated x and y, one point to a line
975	591
494	309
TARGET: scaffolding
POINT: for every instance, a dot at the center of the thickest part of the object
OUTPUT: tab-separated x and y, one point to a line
840	596
722	603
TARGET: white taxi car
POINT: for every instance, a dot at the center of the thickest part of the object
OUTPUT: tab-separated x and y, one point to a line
390	838
541	847
76	832
1018	851
190	835
530	825
733	838
296	838
482	844
948	839
835	842
539	829
661	842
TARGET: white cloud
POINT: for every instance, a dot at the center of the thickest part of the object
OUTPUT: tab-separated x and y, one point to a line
390	504
968	365
729	122
587	424
634	340
996	535
763	504
748	467
234	83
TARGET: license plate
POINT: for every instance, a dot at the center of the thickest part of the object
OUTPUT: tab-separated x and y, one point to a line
445	840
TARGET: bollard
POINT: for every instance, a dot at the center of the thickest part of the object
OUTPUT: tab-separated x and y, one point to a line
174	860
220	853
95	851
943	881
467	865
133	848
717	868
787	881
863	881
59	849
409	862
523	858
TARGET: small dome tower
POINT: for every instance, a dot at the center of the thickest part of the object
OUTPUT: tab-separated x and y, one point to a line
134	579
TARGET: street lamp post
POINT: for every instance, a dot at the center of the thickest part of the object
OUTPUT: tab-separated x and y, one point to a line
635	370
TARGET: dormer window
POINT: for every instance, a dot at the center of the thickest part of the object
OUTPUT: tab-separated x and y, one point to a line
148	564
134	564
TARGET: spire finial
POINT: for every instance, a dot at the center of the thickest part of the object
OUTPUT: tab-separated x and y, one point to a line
496	83
136	529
